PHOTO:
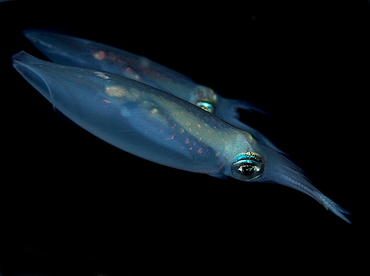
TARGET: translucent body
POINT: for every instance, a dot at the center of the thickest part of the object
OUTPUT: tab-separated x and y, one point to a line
84	53
160	127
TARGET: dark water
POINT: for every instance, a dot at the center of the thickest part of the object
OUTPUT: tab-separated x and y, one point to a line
72	204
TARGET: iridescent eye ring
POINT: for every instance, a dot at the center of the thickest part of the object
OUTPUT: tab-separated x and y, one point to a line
247	166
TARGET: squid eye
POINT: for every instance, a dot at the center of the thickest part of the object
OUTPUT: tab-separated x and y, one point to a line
206	106
248	166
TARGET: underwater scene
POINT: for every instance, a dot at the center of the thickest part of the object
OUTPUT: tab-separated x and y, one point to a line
183	140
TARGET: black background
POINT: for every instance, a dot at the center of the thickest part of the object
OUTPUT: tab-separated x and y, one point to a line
72	204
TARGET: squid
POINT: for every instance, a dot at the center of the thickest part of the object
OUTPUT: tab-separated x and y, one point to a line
74	51
162	128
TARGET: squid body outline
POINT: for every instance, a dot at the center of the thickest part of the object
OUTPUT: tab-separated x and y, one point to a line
163	128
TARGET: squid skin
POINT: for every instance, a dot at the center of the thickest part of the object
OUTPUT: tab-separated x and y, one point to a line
73	51
162	128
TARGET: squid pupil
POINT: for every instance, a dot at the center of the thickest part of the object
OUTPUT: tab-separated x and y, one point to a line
206	106
247	169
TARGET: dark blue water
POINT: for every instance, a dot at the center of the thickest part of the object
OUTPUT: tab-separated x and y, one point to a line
72	204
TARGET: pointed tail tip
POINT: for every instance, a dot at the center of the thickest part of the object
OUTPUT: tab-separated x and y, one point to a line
21	58
338	210
344	211
35	34
18	57
31	33
344	218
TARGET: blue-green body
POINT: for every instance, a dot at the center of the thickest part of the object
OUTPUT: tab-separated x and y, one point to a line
74	51
161	127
